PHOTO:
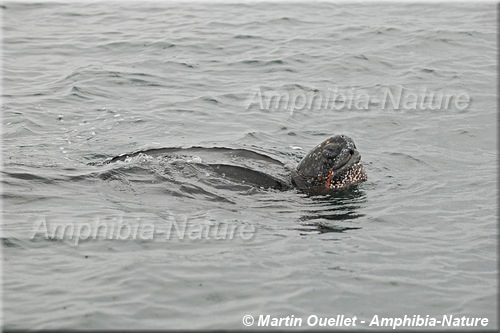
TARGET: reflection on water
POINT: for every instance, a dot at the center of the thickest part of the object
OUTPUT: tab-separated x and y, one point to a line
334	213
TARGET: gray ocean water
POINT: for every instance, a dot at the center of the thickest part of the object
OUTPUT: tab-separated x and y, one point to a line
83	82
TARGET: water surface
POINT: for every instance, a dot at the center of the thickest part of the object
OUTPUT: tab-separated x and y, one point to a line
83	82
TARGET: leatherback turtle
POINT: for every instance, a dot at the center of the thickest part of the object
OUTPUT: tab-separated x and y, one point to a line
331	166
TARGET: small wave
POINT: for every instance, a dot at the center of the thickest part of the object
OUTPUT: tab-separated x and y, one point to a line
11	242
323	227
427	70
296	86
287	20
161	45
386	30
289	70
450	37
245	37
85	93
263	63
210	99
360	56
409	160
183	64
144	83
275	62
197	192
28	176
86	83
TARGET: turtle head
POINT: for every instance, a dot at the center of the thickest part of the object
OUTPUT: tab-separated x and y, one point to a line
331	166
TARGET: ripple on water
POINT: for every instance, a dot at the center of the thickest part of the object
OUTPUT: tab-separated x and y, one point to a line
86	83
